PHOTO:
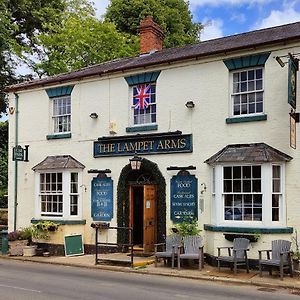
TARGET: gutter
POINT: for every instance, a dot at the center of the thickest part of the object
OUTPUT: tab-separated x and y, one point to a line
16	161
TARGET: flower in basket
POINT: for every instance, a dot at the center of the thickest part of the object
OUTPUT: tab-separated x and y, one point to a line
42	229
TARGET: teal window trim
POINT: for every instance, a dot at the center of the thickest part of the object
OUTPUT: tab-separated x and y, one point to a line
61	222
60	91
59	136
248	61
246	119
142	78
142	128
275	230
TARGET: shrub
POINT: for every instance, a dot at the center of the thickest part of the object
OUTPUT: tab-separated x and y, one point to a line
42	229
188	227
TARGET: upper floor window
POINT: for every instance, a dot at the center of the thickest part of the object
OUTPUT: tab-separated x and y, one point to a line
61	114
247	92
143	105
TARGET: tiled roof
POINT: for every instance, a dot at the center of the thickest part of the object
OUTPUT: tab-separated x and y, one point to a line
253	39
258	152
58	162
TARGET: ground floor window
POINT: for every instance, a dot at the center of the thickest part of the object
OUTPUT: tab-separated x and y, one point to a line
58	194
249	194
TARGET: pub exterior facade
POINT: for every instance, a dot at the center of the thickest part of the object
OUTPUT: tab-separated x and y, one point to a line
210	124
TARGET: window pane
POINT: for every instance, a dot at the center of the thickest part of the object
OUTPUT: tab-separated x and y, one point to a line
275	214
227	172
237	172
236	100
244	76
244	87
247	172
228	200
256	186
258	73
276	171
251	75
251	86
275	200
236	77
227	186
237	186
256	172
247	186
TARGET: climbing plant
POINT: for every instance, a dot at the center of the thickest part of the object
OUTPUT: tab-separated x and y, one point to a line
123	199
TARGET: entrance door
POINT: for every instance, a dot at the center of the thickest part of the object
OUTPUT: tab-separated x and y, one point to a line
149	217
143	215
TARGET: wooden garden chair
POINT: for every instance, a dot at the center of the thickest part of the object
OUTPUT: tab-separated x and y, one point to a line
169	249
237	254
281	257
193	249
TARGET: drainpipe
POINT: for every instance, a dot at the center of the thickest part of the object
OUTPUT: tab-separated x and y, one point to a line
16	162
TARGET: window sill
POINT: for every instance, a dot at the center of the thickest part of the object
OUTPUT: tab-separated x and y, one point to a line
246	119
59	136
141	128
266	230
61	222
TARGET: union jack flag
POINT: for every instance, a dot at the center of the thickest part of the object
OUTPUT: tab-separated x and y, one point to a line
142	96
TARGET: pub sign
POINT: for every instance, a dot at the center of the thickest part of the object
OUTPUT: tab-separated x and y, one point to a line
102	199
184	197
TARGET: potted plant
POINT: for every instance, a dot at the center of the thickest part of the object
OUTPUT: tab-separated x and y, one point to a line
19	239
43	230
188	227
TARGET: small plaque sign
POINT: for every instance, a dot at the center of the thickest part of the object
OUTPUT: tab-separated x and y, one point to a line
292	82
18	153
102	199
184	197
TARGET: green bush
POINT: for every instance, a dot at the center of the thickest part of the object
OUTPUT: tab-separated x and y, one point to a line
188	227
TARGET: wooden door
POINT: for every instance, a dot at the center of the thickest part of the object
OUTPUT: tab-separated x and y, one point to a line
149	217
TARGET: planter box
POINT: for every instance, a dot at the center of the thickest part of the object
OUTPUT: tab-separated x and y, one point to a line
16	247
29	250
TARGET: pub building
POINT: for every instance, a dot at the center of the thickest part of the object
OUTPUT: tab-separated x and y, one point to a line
205	131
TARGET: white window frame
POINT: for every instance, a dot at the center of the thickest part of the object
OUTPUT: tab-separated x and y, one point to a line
232	94
266	189
66	192
55	118
151	104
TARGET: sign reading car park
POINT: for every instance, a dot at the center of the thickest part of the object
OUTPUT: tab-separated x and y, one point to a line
18	153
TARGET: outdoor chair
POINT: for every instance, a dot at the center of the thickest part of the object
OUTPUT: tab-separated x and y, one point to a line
281	257
237	254
169	249
193	249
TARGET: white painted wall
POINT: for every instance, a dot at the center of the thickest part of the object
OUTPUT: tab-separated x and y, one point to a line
206	82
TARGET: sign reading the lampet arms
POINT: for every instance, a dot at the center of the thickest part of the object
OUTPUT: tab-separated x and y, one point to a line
143	144
184	197
102	199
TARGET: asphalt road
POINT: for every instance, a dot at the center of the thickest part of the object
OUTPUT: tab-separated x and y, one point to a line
25	280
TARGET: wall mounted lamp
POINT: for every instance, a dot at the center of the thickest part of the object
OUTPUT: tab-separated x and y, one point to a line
190	104
279	60
94	115
135	162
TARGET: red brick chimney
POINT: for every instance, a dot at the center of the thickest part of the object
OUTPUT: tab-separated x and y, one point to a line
151	36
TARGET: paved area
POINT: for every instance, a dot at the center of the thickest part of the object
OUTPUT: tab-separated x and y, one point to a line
146	266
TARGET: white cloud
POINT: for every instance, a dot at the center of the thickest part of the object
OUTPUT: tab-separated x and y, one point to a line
277	17
240	18
212	29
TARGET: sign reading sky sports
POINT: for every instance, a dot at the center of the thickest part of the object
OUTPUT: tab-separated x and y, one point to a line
184	197
143	144
292	82
102	199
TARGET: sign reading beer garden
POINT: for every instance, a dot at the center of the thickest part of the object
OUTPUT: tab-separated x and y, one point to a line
102	199
184	197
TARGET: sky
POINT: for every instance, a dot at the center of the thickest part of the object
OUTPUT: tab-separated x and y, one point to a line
228	17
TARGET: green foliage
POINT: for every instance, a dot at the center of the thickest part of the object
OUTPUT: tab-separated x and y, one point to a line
80	43
188	227
21	234
3	163
43	229
173	16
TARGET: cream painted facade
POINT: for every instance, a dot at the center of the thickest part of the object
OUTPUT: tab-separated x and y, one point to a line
205	81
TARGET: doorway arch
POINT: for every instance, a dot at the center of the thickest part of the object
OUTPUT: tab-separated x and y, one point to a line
149	173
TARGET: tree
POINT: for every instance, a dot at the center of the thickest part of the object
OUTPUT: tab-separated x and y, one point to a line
81	43
3	163
20	22
173	16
